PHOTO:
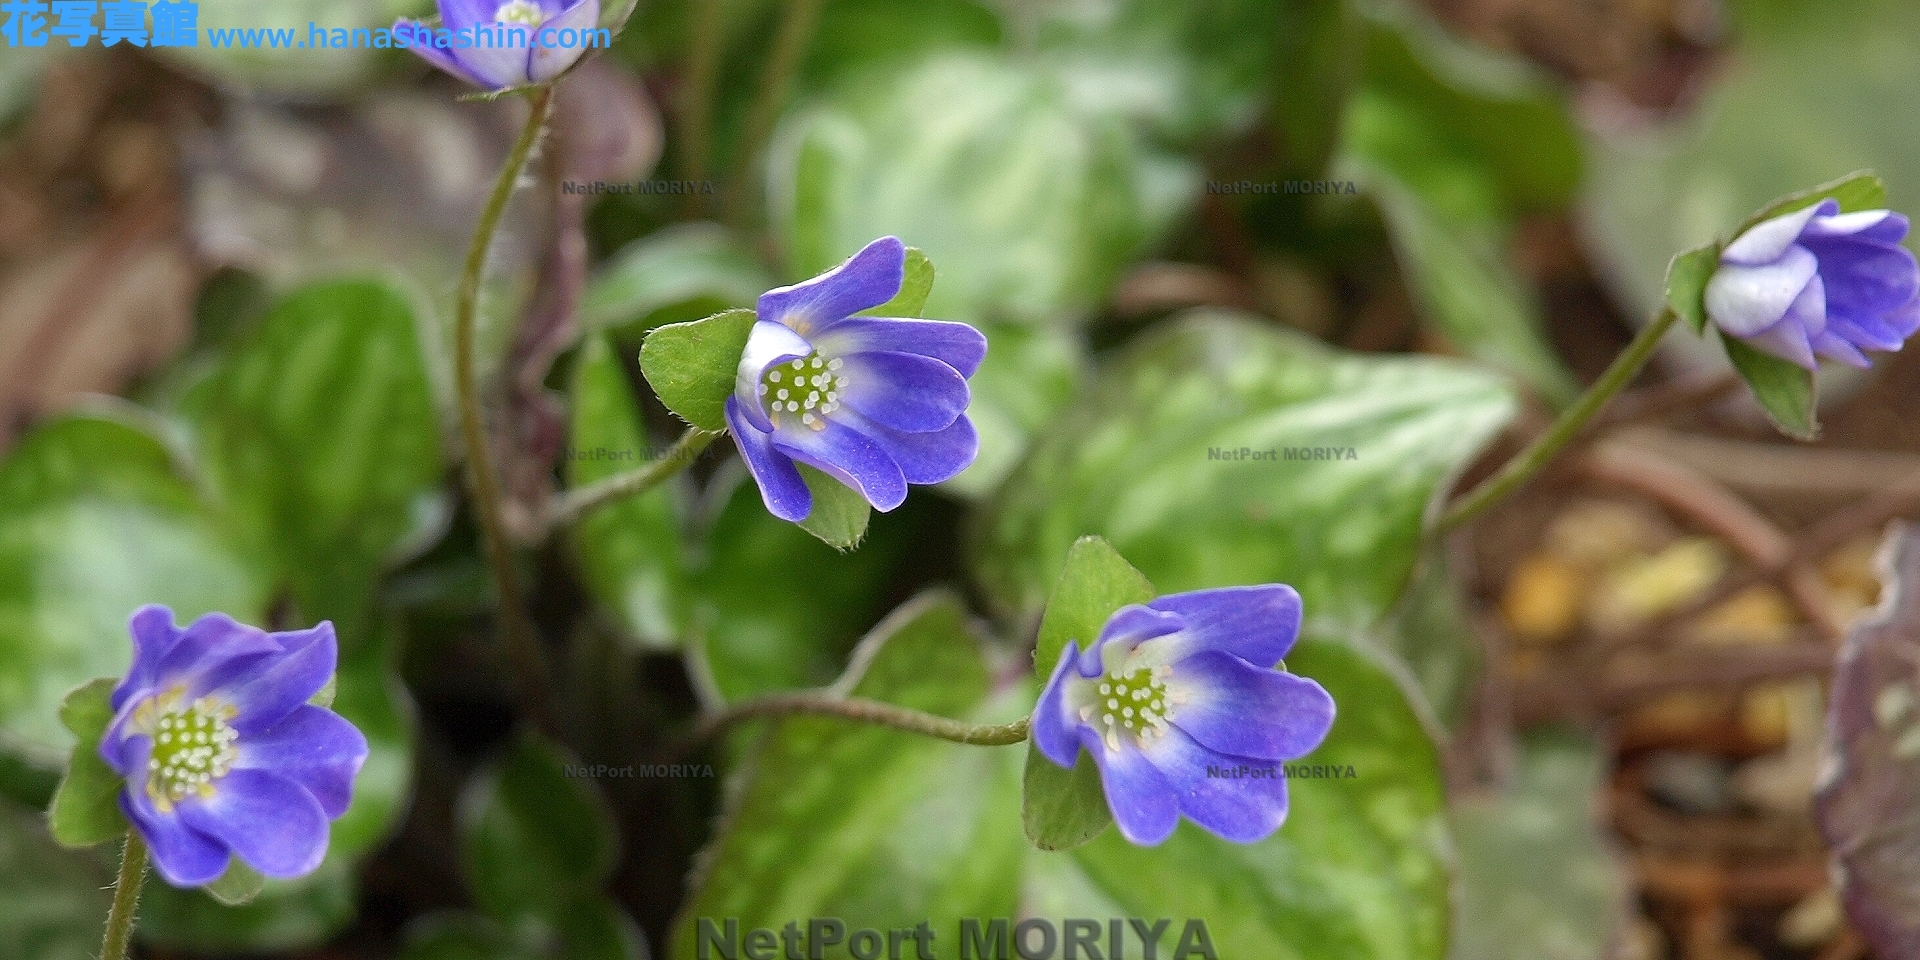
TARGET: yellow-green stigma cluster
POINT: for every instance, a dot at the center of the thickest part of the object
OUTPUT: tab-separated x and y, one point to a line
519	11
808	388
192	748
1135	703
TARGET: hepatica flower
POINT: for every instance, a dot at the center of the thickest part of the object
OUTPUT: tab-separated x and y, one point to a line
1177	686
1818	281
221	750
497	45
876	403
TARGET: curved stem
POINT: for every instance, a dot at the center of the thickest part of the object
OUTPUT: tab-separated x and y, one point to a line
796	30
569	508
126	897
855	709
481	482
1542	451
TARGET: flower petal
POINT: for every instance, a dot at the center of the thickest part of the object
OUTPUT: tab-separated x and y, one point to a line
268	688
1866	279
1233	707
848	456
208	646
314	748
1835	347
955	344
420	41
1880	226
1238	809
904	391
868	279
457	15
153	635
923	458
781	487
546	62
271	823
1053	730
1258	624
1767	241
183	856
1744	300
1787	340
1143	803
767	344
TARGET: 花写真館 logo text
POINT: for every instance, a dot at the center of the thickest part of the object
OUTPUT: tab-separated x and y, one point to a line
176	23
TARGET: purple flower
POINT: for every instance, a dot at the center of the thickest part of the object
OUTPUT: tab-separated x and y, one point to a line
876	403
1818	281
498	45
222	753
1178	686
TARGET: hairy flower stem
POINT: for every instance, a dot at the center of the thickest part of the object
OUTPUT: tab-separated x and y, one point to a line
126	897
789	45
818	704
696	105
576	504
528	664
1542	451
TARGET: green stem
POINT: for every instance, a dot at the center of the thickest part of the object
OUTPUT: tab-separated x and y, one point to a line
696	117
569	508
126	897
796	30
1542	451
482	485
856	709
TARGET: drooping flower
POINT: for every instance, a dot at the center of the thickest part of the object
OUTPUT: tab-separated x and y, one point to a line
496	45
1180	685
877	403
222	752
1818	281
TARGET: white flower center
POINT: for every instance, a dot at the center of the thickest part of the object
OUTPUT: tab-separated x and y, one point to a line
193	746
519	11
1135	703
808	388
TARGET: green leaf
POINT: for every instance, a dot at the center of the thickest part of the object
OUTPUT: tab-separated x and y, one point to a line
1538	878
1857	191
533	839
594	929
777	607
1059	808
1359	871
892	828
1784	388
1150	459
691	365
1430	633
1687	277
458	935
839	515
688	267
95	522
914	290
1454	143
1095	582
238	886
630	552
1028	377
320	435
52	900
86	810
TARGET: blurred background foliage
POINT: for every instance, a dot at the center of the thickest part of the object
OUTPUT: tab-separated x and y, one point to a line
225	283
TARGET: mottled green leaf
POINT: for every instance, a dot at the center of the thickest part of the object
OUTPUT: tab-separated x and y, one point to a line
1194	454
892	828
631	551
535	839
688	266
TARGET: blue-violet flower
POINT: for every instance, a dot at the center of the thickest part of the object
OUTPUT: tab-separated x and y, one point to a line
1180	685
1818	281
877	403
496	45
223	754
